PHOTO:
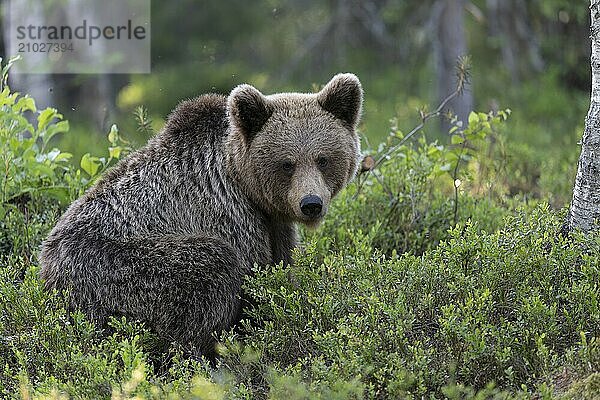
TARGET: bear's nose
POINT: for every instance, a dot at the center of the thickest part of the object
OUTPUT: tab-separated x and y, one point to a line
311	206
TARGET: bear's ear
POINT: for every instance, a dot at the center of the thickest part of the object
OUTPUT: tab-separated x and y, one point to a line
342	97
248	109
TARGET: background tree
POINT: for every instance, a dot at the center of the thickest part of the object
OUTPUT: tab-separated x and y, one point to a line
450	44
510	25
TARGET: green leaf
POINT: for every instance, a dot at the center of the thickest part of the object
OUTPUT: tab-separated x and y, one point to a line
63	157
60	127
40	169
24	104
115	152
452	157
473	118
90	164
456	139
46	116
113	135
7	99
60	194
4	94
432	150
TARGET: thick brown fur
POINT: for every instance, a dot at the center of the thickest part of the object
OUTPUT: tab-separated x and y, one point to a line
168	235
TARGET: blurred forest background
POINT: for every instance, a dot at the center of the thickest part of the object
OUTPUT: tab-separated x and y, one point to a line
529	56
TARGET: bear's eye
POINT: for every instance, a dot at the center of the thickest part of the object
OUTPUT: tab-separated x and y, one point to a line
323	162
287	166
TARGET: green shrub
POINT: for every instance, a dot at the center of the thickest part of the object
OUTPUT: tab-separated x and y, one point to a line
504	307
37	181
419	191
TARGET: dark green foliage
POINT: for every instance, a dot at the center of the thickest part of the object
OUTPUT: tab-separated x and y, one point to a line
419	191
503	307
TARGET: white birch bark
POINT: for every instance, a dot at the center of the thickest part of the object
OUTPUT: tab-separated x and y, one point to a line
585	206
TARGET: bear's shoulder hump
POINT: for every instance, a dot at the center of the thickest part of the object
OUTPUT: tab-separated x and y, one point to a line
203	116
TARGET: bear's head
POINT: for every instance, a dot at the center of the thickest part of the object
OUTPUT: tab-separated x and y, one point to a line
293	152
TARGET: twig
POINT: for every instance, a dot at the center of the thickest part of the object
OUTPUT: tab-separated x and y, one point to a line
365	172
384	186
424	119
455	177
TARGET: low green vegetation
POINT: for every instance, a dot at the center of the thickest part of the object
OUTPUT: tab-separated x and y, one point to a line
432	277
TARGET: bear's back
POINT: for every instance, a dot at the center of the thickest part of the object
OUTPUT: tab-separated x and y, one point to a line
202	119
176	184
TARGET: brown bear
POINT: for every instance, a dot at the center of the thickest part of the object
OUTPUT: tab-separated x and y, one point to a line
168	235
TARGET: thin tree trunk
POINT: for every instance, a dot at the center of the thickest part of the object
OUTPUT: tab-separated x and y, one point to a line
585	206
449	44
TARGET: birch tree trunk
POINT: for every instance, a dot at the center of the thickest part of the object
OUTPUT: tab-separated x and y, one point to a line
585	206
